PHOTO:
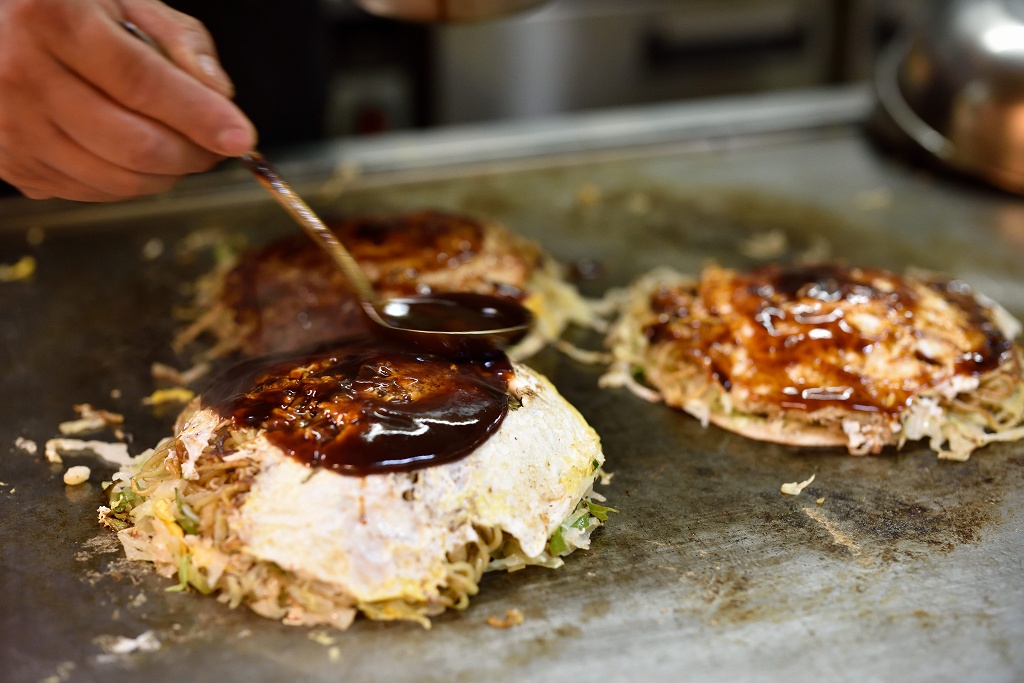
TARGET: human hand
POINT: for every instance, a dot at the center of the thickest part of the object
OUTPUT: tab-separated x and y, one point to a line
89	112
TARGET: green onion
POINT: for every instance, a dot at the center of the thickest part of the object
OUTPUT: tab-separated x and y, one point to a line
599	511
115	523
188	519
556	544
125	500
188	575
184	563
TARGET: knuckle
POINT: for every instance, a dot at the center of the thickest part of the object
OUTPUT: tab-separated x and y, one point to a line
151	150
186	29
144	150
209	121
193	31
142	86
197	160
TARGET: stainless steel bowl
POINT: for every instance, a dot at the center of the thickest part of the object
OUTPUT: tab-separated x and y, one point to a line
445	10
955	85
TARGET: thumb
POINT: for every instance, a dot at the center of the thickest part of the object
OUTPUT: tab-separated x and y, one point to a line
183	39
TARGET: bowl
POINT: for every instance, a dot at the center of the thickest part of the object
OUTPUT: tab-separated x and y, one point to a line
954	85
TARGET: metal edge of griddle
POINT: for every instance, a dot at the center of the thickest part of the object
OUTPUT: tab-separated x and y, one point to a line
323	170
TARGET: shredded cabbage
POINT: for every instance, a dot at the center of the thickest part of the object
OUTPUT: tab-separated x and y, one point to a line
181	526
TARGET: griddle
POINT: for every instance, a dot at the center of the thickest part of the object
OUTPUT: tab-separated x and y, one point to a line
893	567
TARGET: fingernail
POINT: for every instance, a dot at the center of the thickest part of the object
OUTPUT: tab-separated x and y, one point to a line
212	69
235	141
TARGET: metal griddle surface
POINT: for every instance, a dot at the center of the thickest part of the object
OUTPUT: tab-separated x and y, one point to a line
909	569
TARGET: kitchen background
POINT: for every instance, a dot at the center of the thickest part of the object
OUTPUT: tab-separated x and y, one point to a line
573	55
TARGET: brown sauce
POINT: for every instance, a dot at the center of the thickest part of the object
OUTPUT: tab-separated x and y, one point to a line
368	407
451	312
993	347
797	327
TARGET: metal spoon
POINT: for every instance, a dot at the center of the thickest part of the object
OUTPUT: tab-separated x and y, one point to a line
456	323
459	323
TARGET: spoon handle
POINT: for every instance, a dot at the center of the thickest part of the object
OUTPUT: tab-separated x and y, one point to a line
307	218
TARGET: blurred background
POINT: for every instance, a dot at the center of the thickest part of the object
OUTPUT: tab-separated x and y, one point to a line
310	69
573	55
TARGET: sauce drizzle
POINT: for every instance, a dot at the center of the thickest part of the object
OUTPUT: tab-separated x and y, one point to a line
369	408
807	337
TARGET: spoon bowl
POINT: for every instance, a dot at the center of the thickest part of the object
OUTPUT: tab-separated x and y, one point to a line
452	323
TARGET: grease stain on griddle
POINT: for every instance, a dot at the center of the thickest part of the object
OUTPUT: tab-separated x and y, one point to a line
743	553
104	543
596	608
839	537
568	631
726	594
929	510
527	651
884	518
533	612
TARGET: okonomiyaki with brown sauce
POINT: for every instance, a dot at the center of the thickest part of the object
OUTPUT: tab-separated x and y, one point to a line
364	478
290	294
825	355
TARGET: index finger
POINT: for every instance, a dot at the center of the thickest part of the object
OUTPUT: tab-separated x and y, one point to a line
140	79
